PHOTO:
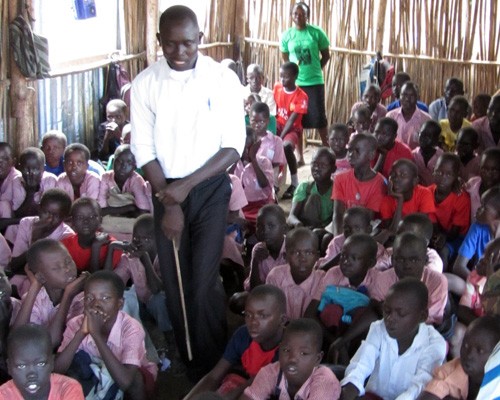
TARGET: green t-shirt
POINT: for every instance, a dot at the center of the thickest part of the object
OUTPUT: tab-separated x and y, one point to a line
303	48
326	200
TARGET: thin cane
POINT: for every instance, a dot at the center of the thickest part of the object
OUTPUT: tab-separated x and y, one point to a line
183	303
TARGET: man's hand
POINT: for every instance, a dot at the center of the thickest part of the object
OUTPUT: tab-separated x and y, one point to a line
172	223
175	193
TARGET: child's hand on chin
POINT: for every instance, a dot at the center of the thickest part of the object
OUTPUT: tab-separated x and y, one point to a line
76	286
261	253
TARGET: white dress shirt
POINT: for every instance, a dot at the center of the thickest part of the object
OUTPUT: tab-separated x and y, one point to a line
183	118
394	376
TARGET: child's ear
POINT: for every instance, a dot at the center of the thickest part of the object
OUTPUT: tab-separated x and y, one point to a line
120	302
158	37
200	35
424	315
284	320
319	357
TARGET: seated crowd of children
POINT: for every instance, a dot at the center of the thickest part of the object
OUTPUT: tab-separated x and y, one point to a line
380	283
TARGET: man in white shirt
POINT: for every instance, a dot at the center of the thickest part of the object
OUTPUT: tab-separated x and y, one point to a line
187	129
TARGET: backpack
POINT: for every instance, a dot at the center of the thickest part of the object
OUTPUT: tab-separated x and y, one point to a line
30	51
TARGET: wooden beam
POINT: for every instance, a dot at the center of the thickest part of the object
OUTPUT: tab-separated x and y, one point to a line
22	97
151	30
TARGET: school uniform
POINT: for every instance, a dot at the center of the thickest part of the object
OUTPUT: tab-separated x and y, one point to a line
436	283
434	261
335	247
393	376
44	310
379	113
61	388
322	384
399	151
298	296
88	188
266	95
471	169
438	109
471	297
408	130
425	177
341	164
271	147
10	190
454	210
134	184
451	380
420	201
483	129
266	265
472	187
5	252
126	341
353	192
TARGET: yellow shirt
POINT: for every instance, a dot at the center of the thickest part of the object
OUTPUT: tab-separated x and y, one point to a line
450	137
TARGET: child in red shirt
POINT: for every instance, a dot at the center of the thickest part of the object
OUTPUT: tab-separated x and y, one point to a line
452	207
405	196
291	105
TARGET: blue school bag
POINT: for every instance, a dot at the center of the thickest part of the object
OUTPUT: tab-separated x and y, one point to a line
348	299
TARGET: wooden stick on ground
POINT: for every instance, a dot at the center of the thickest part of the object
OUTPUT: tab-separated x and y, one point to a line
183	303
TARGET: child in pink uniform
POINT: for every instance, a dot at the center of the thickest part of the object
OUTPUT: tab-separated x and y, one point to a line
360	186
420	225
76	180
297	278
30	363
356	220
106	333
55	207
298	374
34	182
139	264
271	146
53	296
270	251
462	377
122	192
337	140
489	176
257	177
425	156
9	185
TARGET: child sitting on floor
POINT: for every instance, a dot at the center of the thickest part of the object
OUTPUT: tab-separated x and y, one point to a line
108	341
480	106
452	208
356	220
337	140
139	264
312	204
409	258
54	295
467	144
361	121
122	192
251	347
298	280
55	207
457	119
291	104
400	351
88	246
420	225
427	153
480	232
110	132
298	373
270	250
10	182
335	310
77	180
360	186
30	362
389	150
405	196
257	177
489	176
461	378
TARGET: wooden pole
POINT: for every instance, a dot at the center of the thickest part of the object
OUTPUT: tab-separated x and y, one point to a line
151	30
22	132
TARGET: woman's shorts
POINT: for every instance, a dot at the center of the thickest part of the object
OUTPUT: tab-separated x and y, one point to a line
316	112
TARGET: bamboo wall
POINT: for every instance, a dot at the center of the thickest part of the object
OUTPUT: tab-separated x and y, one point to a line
430	39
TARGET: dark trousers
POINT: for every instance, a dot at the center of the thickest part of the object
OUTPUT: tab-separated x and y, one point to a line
205	213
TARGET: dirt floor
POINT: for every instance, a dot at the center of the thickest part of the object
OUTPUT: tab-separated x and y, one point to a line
174	387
